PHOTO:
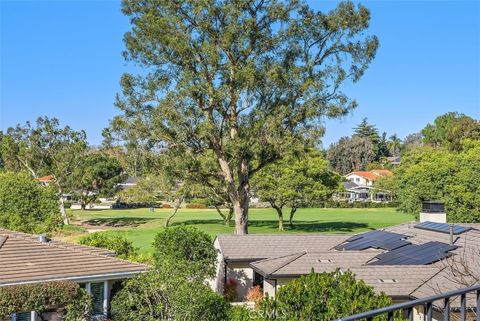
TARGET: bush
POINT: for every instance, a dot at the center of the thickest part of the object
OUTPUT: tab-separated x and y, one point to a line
120	244
343	204
187	246
324	296
167	295
230	290
26	206
196	205
241	313
255	295
166	205
64	296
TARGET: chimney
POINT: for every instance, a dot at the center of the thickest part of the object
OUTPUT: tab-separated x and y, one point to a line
433	211
42	238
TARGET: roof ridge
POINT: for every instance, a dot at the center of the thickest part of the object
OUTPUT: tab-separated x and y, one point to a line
3	239
297	256
426	281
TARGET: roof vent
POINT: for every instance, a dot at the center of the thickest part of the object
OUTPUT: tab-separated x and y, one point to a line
42	238
324	261
387	281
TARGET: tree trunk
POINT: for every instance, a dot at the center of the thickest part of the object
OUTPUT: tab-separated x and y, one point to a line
292	213
62	209
240	208
226	217
175	210
280	216
238	196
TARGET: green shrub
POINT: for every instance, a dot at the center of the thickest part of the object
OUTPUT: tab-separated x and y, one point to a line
323	296
241	313
166	294
63	296
186	246
120	244
26	206
196	205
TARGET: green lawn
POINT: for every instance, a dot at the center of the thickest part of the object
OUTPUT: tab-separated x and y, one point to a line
140	225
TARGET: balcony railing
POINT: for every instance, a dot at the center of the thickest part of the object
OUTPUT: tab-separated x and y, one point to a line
428	303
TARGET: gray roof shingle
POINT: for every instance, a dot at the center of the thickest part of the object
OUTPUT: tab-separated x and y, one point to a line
284	256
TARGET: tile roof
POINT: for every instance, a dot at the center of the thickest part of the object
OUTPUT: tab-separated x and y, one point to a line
24	259
381	172
372	175
368	175
287	256
47	178
254	247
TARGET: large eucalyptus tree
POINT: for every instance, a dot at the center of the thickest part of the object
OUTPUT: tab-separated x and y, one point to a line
247	80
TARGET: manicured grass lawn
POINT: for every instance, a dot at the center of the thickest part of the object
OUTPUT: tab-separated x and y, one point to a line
141	225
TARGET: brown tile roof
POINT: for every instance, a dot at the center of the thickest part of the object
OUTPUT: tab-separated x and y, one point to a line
24	259
382	172
47	178
285	256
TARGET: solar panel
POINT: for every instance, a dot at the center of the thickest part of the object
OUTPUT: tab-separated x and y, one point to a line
374	239
412	254
442	227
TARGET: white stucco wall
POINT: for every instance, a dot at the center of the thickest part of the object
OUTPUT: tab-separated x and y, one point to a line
218	283
359	180
243	274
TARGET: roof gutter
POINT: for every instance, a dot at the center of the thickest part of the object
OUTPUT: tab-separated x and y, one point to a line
83	278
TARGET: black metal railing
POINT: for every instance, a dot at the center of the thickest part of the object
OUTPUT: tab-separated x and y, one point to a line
428	303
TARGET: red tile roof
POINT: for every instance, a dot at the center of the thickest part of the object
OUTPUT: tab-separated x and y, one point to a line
372	175
47	178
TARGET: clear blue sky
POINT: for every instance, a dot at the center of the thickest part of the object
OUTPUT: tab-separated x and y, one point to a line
63	59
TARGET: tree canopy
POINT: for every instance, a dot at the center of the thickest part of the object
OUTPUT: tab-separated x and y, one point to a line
186	248
45	148
96	175
449	129
440	174
295	181
350	154
26	206
247	80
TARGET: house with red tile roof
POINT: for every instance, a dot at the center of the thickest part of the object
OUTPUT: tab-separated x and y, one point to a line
359	186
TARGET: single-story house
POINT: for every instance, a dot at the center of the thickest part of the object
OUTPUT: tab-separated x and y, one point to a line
406	261
129	182
25	258
45	180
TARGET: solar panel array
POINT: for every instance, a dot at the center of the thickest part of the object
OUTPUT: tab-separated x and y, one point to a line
374	239
412	254
442	227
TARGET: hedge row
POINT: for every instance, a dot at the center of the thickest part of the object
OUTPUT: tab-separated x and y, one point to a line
338	204
65	297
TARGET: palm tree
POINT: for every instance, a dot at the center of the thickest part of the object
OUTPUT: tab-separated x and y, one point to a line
394	145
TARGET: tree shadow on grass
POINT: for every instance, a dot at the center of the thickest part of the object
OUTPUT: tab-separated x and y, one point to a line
299	226
118	221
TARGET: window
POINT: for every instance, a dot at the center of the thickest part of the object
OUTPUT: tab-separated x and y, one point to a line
357	179
22	316
96	290
258	280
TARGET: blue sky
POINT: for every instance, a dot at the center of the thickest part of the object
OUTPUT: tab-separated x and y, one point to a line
63	59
